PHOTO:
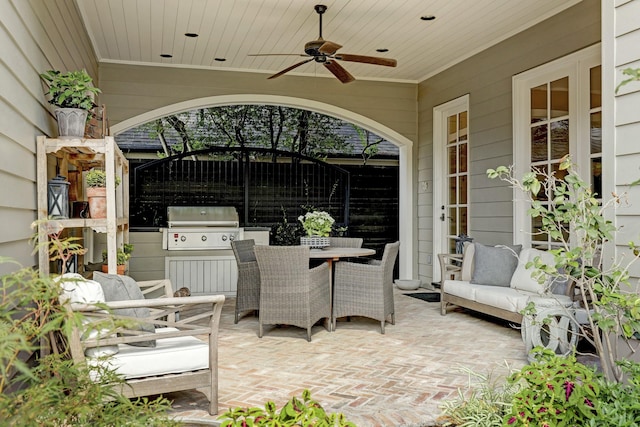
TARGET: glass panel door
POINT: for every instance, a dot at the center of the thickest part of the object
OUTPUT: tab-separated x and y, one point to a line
455	210
549	141
595	130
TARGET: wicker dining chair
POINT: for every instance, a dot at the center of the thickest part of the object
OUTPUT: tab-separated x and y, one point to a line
248	289
290	292
366	289
345	242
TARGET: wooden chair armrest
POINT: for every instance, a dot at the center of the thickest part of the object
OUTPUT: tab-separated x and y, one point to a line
160	288
190	323
449	264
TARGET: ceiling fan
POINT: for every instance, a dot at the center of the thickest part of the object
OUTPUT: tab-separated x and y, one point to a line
325	52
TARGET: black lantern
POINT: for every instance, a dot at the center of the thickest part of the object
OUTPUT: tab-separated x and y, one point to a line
58	197
71	266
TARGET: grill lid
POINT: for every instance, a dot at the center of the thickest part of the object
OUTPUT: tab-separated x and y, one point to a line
202	216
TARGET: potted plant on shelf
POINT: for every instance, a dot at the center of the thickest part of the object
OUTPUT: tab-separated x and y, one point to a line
73	93
97	192
122	256
317	225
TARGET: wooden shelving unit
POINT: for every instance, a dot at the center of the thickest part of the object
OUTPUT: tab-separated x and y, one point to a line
60	156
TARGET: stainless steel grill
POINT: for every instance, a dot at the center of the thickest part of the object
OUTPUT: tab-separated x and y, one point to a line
201	228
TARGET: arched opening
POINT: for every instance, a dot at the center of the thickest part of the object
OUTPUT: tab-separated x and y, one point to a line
406	193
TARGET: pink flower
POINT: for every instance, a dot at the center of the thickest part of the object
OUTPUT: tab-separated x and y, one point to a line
588	402
511	420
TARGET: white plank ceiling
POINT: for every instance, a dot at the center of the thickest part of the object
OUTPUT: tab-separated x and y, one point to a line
139	31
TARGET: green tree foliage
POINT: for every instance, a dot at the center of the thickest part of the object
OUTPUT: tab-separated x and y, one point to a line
265	126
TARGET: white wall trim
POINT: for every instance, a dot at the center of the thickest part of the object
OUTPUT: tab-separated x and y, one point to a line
569	65
440	114
610	78
406	193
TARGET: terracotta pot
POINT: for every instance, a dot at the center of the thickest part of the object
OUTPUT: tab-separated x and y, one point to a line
120	269
97	197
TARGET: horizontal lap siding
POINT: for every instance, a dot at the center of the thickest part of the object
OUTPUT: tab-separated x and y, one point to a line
31	41
133	90
626	122
487	77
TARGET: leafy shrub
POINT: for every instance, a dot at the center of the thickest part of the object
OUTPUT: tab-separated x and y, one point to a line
50	389
556	391
619	403
296	412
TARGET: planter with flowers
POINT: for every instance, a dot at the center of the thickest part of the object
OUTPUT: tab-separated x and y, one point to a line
317	225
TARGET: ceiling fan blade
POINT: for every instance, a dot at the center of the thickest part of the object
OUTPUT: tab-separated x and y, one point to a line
388	62
286	70
337	70
329	48
277	54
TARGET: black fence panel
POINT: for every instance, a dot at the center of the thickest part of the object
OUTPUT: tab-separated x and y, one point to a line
269	190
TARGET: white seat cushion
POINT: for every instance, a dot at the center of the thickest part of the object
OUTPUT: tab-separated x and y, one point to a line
171	355
462	289
501	297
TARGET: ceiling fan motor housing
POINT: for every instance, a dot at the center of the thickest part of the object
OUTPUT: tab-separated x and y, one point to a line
312	49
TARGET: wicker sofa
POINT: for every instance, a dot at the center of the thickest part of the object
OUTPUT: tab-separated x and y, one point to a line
506	296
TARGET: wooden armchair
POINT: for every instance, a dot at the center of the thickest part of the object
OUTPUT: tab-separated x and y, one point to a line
180	360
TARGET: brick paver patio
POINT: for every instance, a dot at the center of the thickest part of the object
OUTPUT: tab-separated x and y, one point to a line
396	379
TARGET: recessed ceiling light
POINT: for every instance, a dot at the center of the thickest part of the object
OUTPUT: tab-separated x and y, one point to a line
382	50
191	35
166	55
428	17
220	59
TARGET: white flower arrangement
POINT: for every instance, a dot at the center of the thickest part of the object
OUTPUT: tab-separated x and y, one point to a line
317	223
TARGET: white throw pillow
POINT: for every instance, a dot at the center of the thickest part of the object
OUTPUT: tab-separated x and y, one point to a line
522	279
77	289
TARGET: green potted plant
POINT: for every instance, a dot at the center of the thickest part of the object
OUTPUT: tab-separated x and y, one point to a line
317	225
73	93
122	256
96	180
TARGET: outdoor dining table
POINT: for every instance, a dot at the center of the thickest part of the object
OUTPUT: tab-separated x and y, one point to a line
331	254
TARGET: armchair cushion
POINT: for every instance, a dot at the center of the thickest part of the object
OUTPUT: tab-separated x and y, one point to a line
77	289
170	356
124	288
494	265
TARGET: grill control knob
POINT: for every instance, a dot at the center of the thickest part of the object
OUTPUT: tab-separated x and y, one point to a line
183	238
232	237
224	237
203	238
